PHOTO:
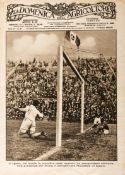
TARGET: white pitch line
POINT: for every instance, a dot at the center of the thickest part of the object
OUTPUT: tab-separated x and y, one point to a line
48	154
56	149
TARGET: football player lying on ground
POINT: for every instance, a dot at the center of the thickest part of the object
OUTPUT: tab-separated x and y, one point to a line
99	126
96	123
28	125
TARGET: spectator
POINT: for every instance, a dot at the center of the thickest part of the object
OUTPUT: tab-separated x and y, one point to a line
36	80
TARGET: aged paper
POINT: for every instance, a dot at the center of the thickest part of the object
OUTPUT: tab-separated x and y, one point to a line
62	87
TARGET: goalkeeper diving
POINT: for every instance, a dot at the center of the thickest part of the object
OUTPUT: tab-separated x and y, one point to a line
28	125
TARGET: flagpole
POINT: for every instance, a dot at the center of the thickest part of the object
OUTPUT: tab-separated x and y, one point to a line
82	107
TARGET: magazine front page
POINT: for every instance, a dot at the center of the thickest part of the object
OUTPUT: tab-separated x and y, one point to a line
62	87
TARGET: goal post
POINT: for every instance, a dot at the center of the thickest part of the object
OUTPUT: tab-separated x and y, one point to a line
63	55
59	97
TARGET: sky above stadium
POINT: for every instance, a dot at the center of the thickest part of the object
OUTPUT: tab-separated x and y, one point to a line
27	45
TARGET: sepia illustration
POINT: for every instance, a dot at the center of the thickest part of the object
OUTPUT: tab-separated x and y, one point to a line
61	95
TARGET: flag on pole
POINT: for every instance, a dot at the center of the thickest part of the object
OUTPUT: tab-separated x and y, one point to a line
73	38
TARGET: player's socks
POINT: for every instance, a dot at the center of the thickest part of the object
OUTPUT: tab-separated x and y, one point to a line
35	135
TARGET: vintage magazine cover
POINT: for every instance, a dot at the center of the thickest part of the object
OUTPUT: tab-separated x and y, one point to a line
62	87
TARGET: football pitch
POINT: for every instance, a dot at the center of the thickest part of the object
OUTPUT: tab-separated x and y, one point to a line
85	147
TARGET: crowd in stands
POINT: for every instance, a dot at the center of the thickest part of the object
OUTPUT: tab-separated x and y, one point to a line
37	80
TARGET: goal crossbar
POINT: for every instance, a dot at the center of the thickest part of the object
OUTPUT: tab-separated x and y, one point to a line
70	63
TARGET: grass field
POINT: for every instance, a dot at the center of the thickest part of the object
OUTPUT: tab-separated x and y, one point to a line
86	147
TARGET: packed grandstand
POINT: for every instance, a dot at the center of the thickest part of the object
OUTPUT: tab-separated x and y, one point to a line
38	80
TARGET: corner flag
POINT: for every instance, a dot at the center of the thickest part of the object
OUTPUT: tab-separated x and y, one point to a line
73	38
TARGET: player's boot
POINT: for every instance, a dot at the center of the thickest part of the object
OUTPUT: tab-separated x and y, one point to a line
28	132
44	134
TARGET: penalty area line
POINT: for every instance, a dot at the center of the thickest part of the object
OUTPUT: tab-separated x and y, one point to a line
48	154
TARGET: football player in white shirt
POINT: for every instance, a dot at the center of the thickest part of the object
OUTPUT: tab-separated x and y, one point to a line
29	124
97	120
96	124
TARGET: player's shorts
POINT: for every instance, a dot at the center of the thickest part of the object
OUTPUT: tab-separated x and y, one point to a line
26	125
